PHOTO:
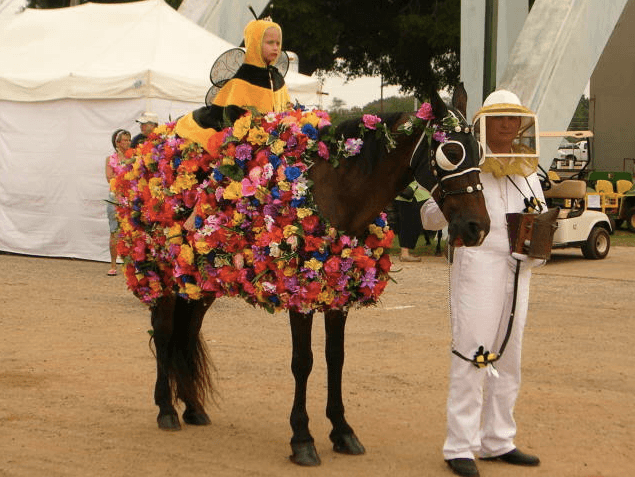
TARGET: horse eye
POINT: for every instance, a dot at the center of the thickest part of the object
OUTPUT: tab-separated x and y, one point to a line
449	155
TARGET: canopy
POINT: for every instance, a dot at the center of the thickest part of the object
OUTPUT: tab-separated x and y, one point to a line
68	78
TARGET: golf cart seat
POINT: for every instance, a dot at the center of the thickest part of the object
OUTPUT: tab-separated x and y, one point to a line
623	186
567	195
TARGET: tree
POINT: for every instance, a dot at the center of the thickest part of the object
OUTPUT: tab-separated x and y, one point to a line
580	120
411	43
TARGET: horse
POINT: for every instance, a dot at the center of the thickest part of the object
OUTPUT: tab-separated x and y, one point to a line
350	196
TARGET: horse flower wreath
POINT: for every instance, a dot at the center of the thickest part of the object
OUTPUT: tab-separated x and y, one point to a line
255	231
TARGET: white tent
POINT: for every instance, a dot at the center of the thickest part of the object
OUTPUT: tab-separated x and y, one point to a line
68	78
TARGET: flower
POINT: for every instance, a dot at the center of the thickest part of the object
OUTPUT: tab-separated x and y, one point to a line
370	121
425	112
257	232
353	146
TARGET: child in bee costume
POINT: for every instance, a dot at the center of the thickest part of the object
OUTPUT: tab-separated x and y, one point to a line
257	84
484	382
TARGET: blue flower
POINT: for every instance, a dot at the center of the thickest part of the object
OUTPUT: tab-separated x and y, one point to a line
274	160
321	256
240	162
310	131
292	173
275	192
298	202
274	299
198	222
380	222
177	162
218	175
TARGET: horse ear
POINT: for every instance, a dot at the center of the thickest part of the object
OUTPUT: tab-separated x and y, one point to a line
439	108
459	99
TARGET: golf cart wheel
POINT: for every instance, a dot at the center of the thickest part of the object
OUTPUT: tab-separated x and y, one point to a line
630	219
597	245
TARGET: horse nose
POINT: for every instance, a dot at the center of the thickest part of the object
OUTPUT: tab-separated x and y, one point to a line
476	233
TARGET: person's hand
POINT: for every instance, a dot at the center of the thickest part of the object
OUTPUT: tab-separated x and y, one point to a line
528	261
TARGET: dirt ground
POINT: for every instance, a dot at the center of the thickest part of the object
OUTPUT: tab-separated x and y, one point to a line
77	376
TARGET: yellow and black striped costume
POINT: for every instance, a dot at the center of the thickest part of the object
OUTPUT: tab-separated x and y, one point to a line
255	85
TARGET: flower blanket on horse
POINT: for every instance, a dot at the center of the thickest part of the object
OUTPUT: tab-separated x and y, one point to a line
256	232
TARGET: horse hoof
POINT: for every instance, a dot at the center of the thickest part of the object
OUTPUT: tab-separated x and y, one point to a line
169	422
348	444
196	418
304	453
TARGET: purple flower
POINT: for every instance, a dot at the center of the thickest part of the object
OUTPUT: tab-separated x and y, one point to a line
353	146
243	152
369	280
439	136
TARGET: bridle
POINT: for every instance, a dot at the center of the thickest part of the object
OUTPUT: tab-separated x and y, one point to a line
443	169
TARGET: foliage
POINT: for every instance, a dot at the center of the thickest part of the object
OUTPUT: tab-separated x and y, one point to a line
580	120
339	113
411	43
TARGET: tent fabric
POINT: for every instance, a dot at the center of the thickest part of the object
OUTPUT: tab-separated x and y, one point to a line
68	78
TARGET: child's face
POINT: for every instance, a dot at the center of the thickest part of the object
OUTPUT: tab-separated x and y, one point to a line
271	45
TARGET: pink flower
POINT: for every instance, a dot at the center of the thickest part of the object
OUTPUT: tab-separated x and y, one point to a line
425	112
370	120
323	151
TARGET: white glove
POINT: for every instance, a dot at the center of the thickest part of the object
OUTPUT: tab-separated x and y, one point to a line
528	261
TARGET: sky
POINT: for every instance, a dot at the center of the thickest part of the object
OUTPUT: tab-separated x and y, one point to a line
357	92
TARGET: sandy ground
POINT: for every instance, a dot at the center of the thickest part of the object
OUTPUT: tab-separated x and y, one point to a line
77	376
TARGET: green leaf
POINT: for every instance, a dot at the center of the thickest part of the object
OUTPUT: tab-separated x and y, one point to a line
232	171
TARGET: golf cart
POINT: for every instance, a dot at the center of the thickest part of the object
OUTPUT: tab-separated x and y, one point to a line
578	227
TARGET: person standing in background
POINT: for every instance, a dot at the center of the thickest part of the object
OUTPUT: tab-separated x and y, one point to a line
147	122
121	143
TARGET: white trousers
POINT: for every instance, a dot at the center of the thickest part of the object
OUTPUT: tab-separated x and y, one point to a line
480	405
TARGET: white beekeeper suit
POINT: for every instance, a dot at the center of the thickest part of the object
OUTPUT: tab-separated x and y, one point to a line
481	400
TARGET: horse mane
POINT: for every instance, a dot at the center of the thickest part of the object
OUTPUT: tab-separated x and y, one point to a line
374	147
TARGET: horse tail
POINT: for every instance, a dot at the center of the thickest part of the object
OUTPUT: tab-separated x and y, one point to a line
181	352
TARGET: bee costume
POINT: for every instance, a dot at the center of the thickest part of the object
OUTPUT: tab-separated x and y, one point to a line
256	85
483	389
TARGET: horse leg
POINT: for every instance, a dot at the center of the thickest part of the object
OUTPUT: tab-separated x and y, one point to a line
191	362
437	251
162	318
342	435
302	444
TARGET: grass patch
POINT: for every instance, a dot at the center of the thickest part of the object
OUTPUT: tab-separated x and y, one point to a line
623	238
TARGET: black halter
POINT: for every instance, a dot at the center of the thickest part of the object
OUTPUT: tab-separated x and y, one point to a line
432	175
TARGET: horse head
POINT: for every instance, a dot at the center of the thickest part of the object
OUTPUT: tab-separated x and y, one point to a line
446	162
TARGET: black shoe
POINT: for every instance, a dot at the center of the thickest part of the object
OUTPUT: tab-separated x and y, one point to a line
516	457
464	467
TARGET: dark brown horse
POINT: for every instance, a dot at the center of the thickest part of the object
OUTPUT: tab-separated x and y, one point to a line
350	197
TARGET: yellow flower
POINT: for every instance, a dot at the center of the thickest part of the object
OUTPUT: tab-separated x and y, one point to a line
175	234
261	194
326	296
183	182
313	264
187	254
161	129
238	218
249	256
202	247
193	291
284	185
376	230
289	271
233	191
303	212
346	253
228	161
258	135
378	252
156	187
289	230
311	119
242	125
278	146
